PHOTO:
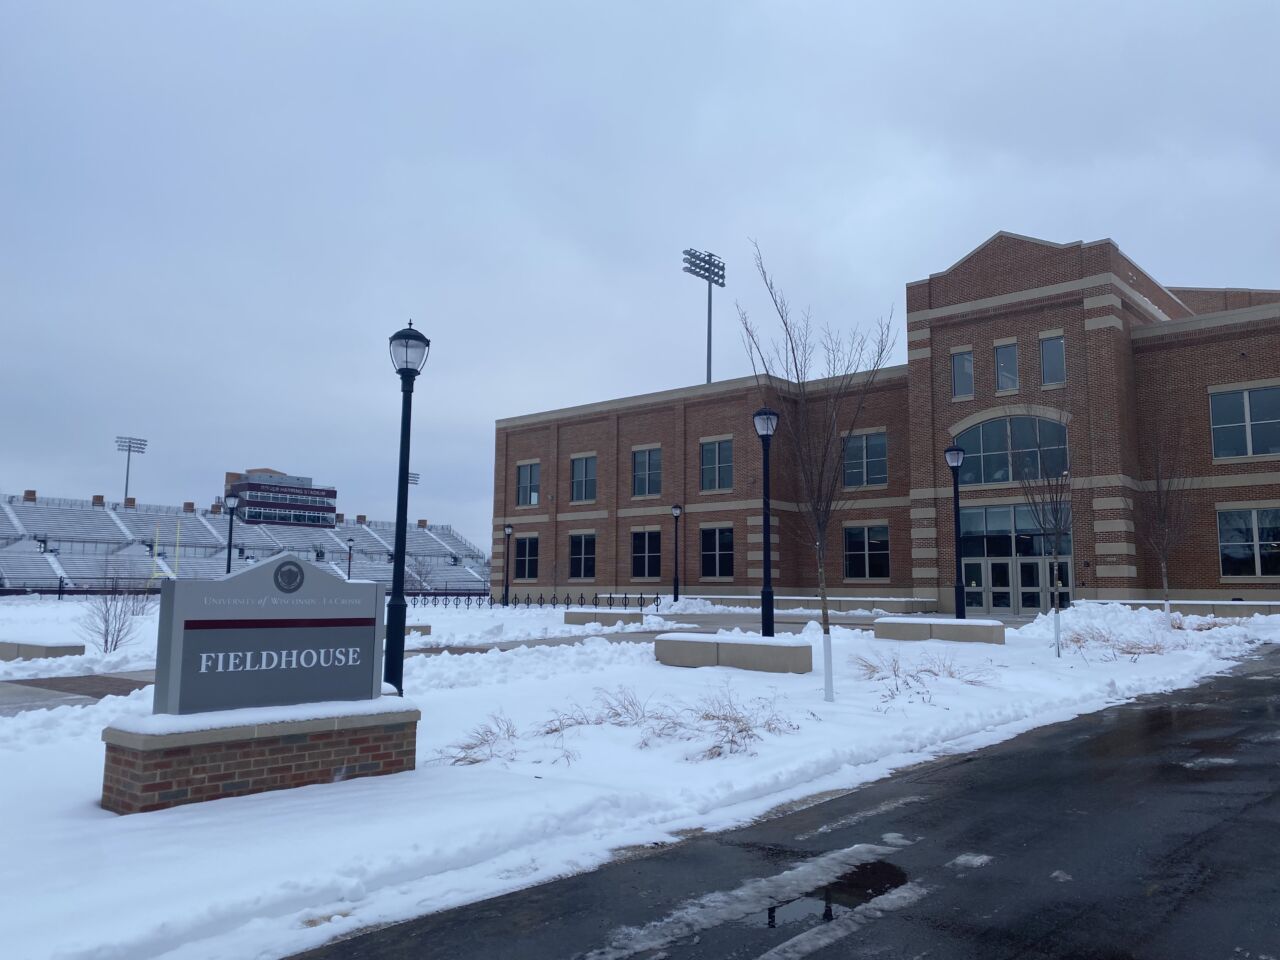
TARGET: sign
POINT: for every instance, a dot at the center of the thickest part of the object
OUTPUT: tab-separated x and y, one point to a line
280	632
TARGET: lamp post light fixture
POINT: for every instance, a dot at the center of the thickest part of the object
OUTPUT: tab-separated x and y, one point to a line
506	563
676	510
766	421
409	349
129	446
351	546
230	501
414	478
705	266
955	457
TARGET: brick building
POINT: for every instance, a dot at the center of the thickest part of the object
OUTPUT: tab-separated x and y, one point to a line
1032	356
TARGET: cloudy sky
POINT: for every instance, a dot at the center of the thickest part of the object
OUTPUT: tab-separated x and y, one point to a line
213	215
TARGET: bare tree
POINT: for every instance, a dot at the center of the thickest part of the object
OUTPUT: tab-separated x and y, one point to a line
825	376
421	566
1162	519
1043	471
107	623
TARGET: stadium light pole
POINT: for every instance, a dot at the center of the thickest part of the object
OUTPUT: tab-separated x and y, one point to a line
231	501
766	422
351	545
506	562
676	510
414	478
955	457
129	446
409	349
705	266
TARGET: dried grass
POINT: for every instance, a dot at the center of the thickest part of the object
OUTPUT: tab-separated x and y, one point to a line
494	739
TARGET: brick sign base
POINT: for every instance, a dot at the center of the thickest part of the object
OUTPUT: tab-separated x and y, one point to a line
154	771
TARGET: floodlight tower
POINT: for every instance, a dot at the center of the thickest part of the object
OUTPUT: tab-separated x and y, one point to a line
705	266
129	446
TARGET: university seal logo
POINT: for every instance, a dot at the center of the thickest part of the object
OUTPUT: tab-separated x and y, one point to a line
289	576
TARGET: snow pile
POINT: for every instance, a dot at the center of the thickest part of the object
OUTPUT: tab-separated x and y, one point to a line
59	622
483	627
532	763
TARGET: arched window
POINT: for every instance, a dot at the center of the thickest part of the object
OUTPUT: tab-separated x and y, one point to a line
1006	449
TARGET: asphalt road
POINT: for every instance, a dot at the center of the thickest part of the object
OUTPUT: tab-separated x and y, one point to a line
1149	831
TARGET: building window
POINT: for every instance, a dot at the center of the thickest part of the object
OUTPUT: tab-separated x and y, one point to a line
646	553
717	551
1004	449
717	465
582	474
582	555
1246	423
1053	361
646	472
526	558
866	460
1007	367
527	475
1008	532
1249	543
866	552
962	374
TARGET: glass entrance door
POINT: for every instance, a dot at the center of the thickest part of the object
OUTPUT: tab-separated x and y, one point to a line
1039	580
1000	594
975	595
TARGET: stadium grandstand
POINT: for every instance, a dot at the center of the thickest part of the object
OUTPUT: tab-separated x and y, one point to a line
54	544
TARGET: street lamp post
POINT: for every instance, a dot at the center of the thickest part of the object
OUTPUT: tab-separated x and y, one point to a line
409	350
705	266
506	563
230	501
129	446
766	421
351	546
955	457
676	510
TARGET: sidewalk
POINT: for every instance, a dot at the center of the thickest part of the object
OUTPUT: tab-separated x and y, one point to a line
17	696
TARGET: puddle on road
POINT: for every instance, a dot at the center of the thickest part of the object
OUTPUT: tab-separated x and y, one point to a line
849	890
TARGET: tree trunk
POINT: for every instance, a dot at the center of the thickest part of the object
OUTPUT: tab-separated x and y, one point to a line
1164	581
828	685
1053	599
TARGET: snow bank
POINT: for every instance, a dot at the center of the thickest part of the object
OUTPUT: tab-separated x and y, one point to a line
573	764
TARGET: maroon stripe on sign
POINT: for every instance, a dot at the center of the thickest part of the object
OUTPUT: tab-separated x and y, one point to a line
277	624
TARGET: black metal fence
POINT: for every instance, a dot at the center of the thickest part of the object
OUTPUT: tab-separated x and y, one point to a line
458	598
608	601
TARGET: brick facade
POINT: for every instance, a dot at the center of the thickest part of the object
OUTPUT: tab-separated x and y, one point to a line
153	772
1136	351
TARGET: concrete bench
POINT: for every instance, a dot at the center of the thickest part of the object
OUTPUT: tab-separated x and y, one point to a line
606	618
11	650
766	654
935	628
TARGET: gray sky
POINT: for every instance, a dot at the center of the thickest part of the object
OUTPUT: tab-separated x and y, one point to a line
212	216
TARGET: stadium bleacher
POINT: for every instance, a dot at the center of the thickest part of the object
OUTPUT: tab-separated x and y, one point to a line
47	541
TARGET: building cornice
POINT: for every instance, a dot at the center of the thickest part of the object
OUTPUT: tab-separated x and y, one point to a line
703	391
1209	321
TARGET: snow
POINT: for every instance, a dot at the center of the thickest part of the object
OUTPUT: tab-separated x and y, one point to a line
971	861
162	723
45	620
782	640
945	621
582	749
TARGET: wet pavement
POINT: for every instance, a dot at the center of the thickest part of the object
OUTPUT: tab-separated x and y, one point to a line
1148	831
